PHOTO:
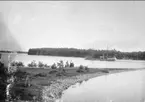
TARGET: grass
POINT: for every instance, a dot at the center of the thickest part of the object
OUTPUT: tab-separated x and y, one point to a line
38	78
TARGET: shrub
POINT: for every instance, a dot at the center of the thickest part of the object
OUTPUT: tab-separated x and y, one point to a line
67	64
86	68
59	74
60	64
21	76
13	63
20	64
83	69
3	81
54	66
32	64
21	83
41	75
17	64
80	69
19	92
40	64
45	65
71	64
53	71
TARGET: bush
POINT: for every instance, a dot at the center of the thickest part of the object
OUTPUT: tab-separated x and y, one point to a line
54	66
10	77
60	64
86	68
67	64
19	92
13	63
21	76
3	81
83	69
17	64
71	64
19	87
20	64
80	69
45	65
60	73
41	75
40	64
53	71
32	64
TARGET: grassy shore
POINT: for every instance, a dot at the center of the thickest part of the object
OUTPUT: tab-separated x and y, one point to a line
44	85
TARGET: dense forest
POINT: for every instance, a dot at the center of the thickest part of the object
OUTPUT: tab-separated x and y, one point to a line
72	52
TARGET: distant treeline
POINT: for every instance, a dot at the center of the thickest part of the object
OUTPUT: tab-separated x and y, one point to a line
72	52
3	51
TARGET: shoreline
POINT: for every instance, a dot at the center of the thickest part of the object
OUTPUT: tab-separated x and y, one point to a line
56	88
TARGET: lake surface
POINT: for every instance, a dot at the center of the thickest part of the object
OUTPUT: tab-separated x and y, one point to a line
81	61
120	87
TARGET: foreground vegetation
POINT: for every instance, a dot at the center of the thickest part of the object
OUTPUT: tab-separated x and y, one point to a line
47	84
44	84
72	52
40	64
3	82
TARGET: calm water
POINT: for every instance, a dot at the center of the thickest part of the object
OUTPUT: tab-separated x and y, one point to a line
120	87
78	61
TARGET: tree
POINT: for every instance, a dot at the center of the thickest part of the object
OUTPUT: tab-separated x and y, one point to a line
54	66
71	64
32	64
67	64
40	64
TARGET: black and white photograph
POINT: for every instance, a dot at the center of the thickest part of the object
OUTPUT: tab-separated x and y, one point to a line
72	51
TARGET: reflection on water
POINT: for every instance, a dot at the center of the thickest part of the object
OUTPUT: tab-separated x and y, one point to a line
78	61
120	87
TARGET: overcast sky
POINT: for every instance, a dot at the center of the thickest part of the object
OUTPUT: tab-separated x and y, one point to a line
77	24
